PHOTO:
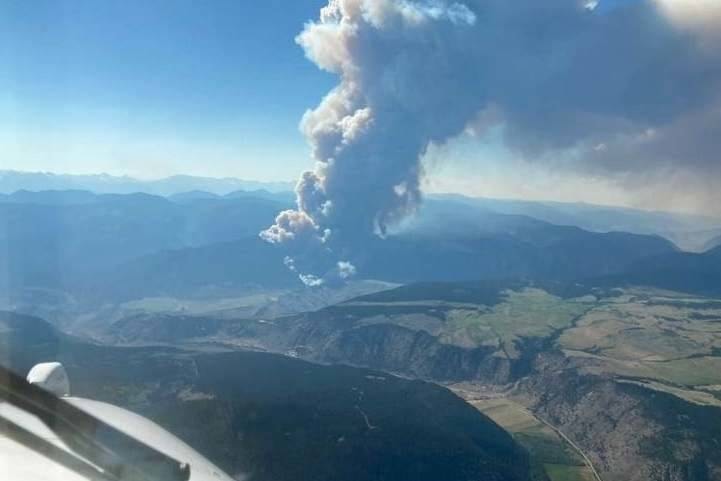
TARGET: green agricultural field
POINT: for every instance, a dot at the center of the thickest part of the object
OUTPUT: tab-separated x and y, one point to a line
524	314
695	372
671	339
661	337
703	397
559	460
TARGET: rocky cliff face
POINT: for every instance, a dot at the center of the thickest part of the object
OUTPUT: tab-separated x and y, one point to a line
629	432
397	349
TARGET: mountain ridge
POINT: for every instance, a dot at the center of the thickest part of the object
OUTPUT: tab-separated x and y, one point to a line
13	180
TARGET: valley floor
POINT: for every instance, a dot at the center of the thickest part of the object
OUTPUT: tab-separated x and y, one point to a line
551	450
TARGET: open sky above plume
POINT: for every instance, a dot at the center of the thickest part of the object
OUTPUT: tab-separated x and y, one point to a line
611	101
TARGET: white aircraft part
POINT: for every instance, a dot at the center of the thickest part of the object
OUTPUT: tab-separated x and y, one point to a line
50	376
20	463
201	469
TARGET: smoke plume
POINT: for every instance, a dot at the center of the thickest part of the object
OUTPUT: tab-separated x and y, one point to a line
619	87
369	133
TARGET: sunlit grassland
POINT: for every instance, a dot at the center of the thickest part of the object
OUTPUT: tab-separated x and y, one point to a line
693	372
669	341
703	397
524	314
559	460
198	306
675	341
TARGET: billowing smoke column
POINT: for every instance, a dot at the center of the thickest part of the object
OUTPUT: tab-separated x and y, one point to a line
622	89
369	134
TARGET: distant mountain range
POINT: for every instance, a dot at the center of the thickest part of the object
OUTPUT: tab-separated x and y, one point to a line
551	252
12	181
120	247
689	232
678	271
117	247
52	239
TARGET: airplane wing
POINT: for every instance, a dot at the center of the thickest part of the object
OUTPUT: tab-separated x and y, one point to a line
45	434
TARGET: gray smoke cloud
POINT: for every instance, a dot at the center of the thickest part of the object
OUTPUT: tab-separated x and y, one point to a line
616	87
369	133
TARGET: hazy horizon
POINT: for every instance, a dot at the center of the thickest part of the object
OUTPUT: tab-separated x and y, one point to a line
291	186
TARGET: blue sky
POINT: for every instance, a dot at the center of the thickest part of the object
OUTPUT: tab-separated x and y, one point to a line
160	87
156	87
